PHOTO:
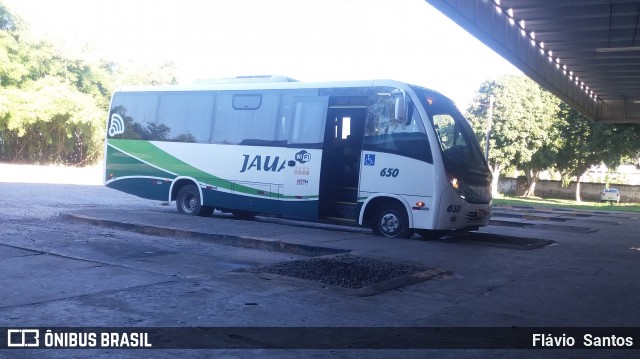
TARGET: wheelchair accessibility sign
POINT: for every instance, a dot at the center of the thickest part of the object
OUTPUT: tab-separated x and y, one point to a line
369	159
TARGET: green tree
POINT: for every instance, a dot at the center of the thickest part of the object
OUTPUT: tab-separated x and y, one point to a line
12	70
577	152
584	144
152	74
53	106
50	122
623	142
9	21
522	134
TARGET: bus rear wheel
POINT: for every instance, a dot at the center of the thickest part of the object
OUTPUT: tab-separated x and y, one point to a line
391	220
188	202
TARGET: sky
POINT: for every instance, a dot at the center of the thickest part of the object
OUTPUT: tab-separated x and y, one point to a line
314	40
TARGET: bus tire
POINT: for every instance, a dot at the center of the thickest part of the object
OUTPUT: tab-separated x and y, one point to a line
188	202
391	220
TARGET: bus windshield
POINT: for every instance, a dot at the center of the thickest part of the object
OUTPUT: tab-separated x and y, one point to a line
460	150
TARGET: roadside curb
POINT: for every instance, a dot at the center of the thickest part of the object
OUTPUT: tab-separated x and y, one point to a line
218	238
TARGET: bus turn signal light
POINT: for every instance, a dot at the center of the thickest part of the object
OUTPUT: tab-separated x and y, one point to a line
419	206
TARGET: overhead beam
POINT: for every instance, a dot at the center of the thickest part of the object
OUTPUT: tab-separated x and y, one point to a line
494	28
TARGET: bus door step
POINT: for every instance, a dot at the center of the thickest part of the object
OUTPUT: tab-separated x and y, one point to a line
339	194
339	210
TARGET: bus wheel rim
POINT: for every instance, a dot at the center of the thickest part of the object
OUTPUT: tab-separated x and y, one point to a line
390	223
189	203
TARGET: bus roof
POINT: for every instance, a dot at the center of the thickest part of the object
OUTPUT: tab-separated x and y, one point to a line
263	85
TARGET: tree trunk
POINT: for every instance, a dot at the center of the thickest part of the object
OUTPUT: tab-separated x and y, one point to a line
495	173
578	190
531	188
532	178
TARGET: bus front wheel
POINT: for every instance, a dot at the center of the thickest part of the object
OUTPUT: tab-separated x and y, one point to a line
188	202
391	220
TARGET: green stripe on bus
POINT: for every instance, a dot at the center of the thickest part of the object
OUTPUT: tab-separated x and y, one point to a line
122	165
151	154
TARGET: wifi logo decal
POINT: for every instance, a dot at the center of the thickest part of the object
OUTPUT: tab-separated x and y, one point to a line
116	125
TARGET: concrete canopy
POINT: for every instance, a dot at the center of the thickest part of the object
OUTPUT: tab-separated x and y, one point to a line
586	52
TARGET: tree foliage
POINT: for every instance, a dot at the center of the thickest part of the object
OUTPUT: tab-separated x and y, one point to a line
522	134
533	131
161	73
51	122
584	143
53	106
9	21
580	145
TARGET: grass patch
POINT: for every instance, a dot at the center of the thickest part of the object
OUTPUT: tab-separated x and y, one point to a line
566	203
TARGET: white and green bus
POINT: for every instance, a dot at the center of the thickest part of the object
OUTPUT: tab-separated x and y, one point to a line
385	154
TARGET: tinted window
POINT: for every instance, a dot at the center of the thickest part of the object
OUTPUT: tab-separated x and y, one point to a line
460	150
185	117
302	118
246	118
133	115
448	134
386	134
308	121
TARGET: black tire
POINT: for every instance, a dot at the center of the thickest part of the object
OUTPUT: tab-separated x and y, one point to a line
243	214
188	202
391	220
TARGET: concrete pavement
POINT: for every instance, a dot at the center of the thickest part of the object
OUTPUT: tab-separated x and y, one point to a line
122	265
579	273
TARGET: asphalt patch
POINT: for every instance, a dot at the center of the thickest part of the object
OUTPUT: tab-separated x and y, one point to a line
352	275
504	241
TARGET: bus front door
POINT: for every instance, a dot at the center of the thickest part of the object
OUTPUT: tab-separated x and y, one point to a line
342	150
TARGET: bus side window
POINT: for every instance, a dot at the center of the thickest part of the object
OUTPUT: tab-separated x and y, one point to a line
308	121
138	111
302	118
185	116
246	118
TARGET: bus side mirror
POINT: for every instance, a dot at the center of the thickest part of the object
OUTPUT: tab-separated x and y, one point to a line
401	109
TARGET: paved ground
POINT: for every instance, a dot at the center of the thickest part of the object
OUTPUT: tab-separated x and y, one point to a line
75	255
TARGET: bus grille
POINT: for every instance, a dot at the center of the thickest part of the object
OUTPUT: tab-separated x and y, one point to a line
478	215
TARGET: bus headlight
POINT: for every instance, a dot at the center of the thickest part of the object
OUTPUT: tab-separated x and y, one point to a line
457	185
